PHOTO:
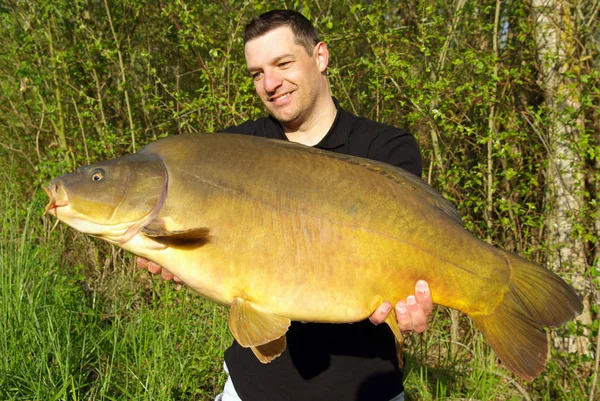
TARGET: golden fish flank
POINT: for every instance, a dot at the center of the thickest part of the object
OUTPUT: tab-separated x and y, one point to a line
279	231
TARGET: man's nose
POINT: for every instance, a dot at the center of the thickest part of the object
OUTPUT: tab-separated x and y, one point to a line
272	81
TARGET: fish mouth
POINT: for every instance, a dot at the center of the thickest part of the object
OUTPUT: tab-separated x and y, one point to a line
58	197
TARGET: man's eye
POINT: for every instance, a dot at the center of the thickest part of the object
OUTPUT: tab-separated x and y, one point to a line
285	64
256	75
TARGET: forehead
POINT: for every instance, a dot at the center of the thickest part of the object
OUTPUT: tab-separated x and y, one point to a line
271	46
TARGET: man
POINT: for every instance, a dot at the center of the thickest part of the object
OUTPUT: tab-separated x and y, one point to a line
288	64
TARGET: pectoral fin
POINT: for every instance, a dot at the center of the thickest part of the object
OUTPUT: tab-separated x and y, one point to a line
393	323
157	230
264	332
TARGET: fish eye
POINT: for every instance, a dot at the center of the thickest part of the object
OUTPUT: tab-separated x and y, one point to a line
97	175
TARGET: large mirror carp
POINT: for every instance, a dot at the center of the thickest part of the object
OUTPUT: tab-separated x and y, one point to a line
279	231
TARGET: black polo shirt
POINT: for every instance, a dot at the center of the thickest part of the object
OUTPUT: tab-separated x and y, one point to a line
330	362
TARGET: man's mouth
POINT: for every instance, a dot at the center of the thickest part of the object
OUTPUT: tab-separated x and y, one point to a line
280	99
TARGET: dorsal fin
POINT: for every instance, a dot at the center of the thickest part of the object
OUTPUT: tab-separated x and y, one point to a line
394	173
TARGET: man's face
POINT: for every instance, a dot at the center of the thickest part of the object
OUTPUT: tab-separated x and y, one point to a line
287	79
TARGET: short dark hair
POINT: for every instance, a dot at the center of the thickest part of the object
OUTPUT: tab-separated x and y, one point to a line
304	32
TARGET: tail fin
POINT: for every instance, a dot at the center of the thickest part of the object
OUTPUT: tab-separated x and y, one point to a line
536	298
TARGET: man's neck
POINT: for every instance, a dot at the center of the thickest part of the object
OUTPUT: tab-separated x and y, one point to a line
314	129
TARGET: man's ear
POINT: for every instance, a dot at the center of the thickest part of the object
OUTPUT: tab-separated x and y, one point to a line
322	54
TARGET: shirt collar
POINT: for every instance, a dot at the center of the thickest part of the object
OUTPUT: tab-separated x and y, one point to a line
337	135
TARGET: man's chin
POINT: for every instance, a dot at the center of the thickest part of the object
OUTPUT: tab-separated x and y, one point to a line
283	117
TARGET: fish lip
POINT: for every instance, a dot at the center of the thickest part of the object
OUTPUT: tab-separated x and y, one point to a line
51	203
58	197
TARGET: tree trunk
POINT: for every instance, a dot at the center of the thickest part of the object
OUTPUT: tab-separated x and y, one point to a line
566	169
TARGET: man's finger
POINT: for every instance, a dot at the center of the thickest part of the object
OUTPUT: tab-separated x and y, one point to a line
142	263
154	268
404	320
423	296
418	317
381	313
166	275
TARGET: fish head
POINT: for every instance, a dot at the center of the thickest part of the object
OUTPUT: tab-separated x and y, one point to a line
111	200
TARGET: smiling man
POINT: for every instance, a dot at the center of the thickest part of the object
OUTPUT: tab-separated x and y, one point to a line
344	362
290	80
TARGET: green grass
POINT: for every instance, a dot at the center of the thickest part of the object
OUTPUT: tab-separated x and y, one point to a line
67	334
80	322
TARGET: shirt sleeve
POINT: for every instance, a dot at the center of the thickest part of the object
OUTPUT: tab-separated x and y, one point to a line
397	147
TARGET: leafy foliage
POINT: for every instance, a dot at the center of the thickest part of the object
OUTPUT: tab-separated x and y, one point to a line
88	80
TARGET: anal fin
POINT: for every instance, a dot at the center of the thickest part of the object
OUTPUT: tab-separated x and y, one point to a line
393	323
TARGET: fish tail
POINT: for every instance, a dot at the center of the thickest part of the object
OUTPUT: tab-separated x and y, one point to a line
536	298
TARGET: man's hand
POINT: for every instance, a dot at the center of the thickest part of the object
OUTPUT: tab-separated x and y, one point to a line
412	313
153	268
